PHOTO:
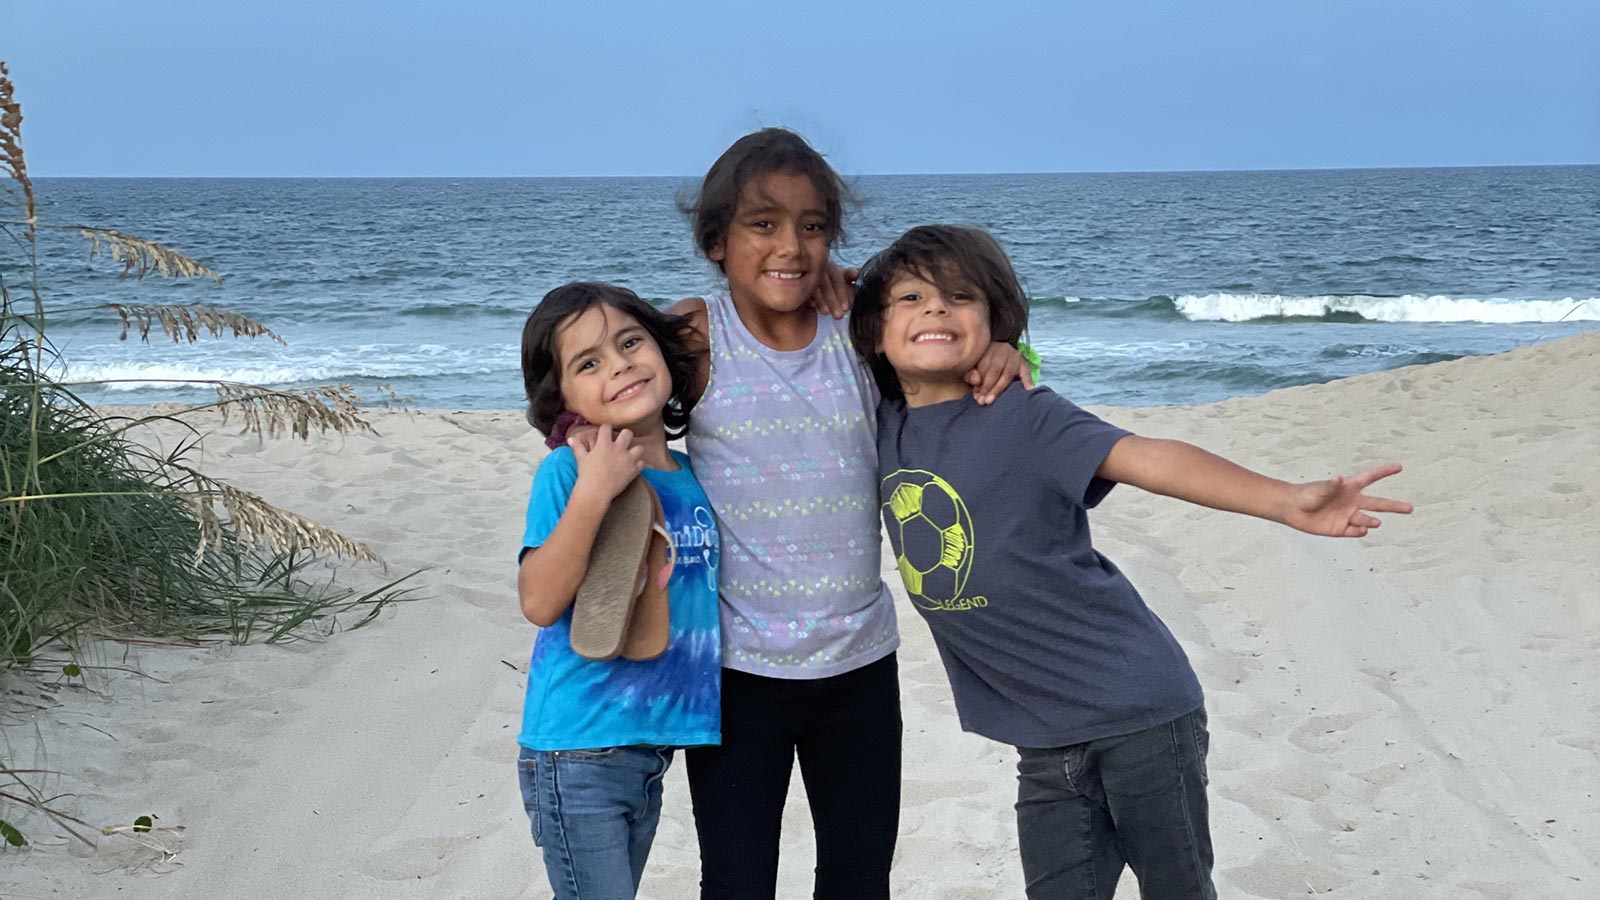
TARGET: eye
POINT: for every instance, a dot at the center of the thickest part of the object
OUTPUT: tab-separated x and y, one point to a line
631	342
587	364
961	297
761	224
815	227
911	297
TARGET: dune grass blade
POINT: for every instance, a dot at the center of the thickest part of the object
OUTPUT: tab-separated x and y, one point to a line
115	543
102	536
18	792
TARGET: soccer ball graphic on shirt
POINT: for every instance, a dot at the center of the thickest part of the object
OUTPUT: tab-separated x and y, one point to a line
934	536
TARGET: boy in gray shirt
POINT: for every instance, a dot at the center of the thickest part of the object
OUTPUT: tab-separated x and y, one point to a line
1047	645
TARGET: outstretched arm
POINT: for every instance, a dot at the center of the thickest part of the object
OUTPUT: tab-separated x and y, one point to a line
1332	508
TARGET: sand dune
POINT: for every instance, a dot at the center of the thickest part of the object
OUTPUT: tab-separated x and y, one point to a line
1415	715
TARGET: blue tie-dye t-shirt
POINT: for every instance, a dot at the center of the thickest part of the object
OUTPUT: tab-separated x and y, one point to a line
673	700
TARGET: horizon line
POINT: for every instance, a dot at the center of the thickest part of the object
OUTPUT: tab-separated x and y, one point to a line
1218	171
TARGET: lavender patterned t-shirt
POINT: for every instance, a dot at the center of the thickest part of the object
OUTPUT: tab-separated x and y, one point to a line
785	445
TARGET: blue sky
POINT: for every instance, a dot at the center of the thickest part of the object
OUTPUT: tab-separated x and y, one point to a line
476	87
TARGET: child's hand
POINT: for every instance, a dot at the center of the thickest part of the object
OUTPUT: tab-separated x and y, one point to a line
609	465
582	436
1337	508
835	291
1001	364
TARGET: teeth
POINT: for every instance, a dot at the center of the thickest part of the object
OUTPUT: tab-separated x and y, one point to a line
628	391
785	276
942	336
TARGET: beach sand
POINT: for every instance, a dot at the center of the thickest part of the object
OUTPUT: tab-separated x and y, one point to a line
1414	715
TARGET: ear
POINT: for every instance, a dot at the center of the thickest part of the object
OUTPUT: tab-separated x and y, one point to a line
718	251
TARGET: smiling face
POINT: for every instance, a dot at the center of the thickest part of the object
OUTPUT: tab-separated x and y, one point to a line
612	370
776	245
933	336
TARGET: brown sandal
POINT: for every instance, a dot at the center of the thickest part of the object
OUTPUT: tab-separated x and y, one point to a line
621	607
605	597
650	626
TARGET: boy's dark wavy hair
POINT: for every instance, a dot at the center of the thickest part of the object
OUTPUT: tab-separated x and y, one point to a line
952	257
541	364
759	153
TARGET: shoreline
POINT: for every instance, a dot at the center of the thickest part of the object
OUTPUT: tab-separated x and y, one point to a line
1412	715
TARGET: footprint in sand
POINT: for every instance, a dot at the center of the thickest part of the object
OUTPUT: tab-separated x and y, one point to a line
1422	561
1292	781
490	600
1320	734
1524	433
930	694
502	752
1259	721
412	860
1496	890
1543	642
1586	743
915	792
1382	776
1560	506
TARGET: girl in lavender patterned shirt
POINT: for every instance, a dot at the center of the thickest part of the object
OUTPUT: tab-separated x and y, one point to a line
783	441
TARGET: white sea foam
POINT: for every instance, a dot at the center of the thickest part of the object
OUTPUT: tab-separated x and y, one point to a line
148	376
1053	348
1408	308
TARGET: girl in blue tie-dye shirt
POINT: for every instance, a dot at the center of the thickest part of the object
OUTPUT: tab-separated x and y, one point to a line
597	736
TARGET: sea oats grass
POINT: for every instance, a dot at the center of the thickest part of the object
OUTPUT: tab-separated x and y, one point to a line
12	161
185	322
103	533
140	257
104	537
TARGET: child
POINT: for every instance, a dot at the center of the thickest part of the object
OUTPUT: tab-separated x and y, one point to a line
783	440
597	736
1047	645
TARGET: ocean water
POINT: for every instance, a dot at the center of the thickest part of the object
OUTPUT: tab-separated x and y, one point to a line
1146	289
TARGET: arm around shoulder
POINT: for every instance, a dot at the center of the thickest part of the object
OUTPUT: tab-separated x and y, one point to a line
699	340
693	307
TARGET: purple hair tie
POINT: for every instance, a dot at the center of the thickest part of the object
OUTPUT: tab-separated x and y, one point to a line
563	424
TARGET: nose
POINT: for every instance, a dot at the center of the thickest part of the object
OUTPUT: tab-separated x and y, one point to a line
620	363
933	305
789	240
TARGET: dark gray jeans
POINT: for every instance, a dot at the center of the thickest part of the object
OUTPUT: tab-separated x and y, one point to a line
1085	811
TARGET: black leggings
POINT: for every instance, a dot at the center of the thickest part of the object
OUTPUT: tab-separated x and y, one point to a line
846	732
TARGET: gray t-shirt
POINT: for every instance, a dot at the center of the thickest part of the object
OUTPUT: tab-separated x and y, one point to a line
1046	642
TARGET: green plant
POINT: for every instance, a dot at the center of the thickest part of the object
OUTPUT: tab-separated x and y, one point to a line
100	535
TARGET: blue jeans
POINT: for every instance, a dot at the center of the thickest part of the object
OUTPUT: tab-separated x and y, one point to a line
594	814
1086	810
